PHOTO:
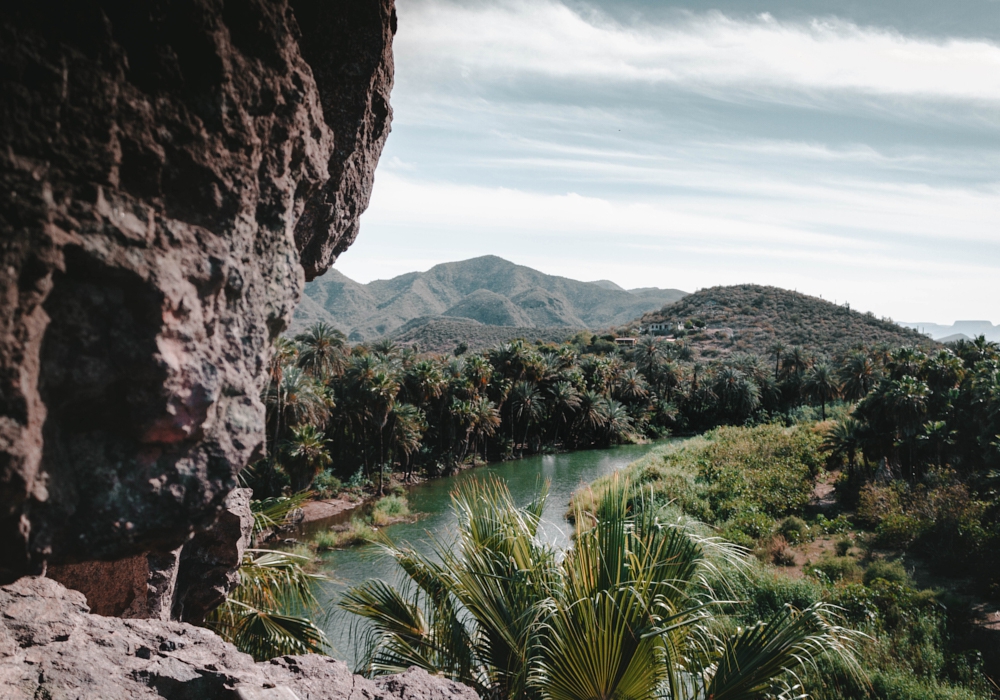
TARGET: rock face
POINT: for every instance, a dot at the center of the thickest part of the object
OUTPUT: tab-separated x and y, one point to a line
170	174
50	647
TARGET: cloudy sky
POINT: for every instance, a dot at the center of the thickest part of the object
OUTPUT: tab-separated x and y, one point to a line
847	149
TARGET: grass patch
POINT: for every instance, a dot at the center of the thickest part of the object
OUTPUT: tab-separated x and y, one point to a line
390	509
356	532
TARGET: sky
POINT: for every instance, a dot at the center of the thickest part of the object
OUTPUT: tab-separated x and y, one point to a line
848	149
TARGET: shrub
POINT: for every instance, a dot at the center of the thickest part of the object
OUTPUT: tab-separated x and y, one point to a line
898	530
748	528
836	569
875	503
389	509
843	546
835	526
891	571
326	484
779	553
356	532
793	529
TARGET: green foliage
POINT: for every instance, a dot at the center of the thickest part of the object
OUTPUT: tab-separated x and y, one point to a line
767	468
794	529
389	509
270	613
839	568
890	571
326	485
356	532
628	612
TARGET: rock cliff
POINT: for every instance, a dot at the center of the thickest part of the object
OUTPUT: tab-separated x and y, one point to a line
51	647
171	172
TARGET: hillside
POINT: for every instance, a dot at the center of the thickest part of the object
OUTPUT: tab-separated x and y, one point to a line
751	318
441	334
487	289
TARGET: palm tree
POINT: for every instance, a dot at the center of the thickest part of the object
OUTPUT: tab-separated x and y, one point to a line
526	406
322	350
777	350
858	376
821	385
843	441
565	401
308	449
631	386
625	614
617	422
408	426
269	613
737	394
591	417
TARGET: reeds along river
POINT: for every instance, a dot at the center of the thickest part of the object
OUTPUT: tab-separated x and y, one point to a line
431	500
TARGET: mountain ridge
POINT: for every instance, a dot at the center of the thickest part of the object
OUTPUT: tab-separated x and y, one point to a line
487	289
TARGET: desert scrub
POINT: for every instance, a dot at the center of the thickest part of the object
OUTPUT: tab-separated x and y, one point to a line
388	510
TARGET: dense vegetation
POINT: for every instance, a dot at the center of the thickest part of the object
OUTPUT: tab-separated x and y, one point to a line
442	334
720	321
627	613
919	642
365	411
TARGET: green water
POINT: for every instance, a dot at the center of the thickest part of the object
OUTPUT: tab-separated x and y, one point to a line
565	472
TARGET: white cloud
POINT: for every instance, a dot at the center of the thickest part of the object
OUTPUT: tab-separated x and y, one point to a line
507	40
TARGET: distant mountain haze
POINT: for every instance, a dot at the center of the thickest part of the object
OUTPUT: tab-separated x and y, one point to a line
959	329
489	290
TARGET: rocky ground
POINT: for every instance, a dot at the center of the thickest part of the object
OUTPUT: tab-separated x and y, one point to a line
52	647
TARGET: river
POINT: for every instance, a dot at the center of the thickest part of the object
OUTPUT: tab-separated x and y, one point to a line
565	473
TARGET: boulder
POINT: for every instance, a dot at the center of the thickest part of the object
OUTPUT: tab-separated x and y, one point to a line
51	647
171	172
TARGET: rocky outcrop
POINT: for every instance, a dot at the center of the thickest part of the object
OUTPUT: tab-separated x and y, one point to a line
171	171
185	584
50	647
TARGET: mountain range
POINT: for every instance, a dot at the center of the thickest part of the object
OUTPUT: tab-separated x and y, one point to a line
957	330
487	290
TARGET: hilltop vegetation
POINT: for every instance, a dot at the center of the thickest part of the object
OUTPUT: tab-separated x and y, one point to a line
719	321
487	289
443	334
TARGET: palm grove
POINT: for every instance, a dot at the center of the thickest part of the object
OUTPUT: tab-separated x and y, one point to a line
365	412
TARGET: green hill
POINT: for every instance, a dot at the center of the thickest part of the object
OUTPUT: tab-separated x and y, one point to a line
441	334
751	318
488	289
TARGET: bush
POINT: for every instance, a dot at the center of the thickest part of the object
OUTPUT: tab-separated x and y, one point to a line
326	485
843	546
747	529
779	553
793	529
767	468
835	569
356	532
388	510
899	531
891	571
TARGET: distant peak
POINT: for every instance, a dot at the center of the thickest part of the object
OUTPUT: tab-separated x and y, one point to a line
608	284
